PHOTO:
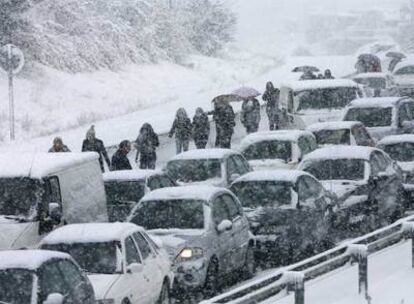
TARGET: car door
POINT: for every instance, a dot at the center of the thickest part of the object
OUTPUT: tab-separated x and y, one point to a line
222	240
152	269
240	231
136	286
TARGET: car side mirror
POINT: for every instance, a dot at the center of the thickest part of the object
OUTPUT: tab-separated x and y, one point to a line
54	298
55	212
225	225
234	176
135	268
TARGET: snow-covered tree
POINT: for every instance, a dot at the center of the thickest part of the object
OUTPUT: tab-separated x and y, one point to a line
12	20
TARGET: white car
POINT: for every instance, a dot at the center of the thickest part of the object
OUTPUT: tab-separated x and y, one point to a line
204	231
216	167
313	101
383	116
404	77
277	149
351	133
123	263
377	84
42	277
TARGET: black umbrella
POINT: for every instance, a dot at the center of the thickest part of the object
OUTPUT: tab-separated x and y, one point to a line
397	55
226	98
305	68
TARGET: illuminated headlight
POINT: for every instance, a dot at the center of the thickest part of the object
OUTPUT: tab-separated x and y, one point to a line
105	301
188	254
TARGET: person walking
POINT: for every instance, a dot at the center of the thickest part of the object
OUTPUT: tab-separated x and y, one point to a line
120	159
271	96
146	144
250	115
328	74
182	128
224	118
201	128
58	146
93	144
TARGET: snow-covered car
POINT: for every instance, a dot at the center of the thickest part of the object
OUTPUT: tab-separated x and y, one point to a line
404	77
288	211
42	277
125	188
123	263
351	133
277	149
312	101
42	190
401	149
204	230
377	84
366	181
383	116
217	167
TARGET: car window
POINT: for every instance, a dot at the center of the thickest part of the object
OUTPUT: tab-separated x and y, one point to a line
361	136
232	206
306	193
154	183
131	252
241	163
73	276
143	245
377	164
51	280
54	189
233	168
403	114
165	182
304	146
220	211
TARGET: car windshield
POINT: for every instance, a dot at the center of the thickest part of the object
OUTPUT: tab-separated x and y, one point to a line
19	196
330	98
16	286
370	117
403	152
336	169
408	70
194	170
95	257
254	194
372	82
167	214
124	191
269	150
333	137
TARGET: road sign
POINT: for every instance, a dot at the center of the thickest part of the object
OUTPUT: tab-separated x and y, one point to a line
11	58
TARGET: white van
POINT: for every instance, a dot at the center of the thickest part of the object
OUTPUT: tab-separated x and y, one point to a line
43	190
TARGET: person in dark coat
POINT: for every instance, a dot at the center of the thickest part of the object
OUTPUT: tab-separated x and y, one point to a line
308	75
271	96
58	146
146	144
328	74
120	159
93	144
250	115
224	118
182	128
201	128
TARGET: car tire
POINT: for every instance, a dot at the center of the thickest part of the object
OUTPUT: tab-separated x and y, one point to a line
249	268
211	285
164	297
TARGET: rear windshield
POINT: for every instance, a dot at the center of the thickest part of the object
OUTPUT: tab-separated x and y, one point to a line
405	70
336	169
124	191
194	170
330	98
370	117
333	137
269	150
403	152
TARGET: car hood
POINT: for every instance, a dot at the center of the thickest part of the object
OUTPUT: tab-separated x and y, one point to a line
269	164
11	231
174	240
342	188
102	284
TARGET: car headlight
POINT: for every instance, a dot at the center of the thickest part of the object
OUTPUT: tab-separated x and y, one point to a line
188	254
105	301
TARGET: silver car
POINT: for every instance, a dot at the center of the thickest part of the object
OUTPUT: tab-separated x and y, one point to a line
204	231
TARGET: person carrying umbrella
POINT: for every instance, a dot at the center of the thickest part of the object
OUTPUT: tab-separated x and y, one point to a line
201	128
250	114
271	96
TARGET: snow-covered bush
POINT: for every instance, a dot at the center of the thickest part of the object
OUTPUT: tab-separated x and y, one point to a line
84	35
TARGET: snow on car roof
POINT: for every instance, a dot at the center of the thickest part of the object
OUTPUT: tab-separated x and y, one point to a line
396	139
28	259
406	62
341	152
129	175
333	125
321	84
283	135
204	154
197	192
377	102
38	165
272	175
90	233
370	75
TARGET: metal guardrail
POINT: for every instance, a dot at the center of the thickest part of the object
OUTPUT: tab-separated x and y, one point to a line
284	281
